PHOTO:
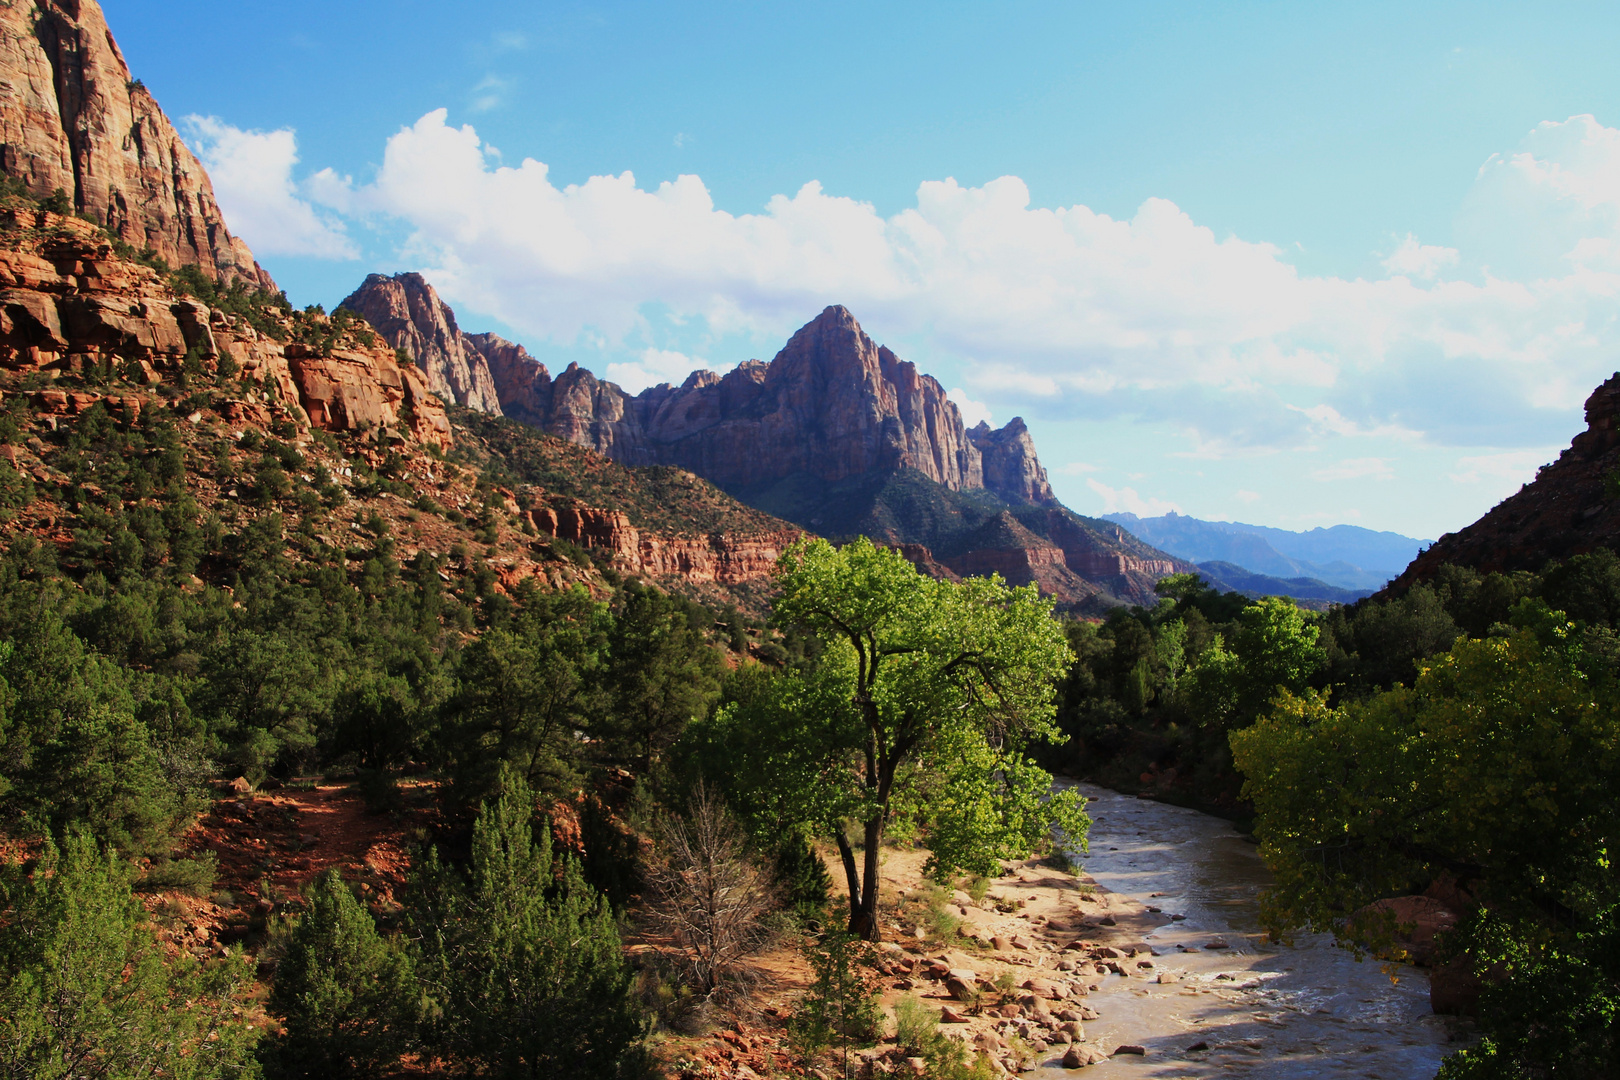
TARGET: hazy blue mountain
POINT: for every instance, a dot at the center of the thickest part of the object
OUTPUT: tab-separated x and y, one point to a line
1346	556
1232	578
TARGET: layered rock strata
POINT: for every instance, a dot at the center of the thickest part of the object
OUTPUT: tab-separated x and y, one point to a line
69	304
72	118
1572	506
719	558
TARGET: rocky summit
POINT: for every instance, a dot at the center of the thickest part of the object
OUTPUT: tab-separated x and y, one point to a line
836	434
73	119
833	404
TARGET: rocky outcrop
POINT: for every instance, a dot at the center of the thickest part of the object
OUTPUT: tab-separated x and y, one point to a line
70	305
73	118
720	558
831	411
832	404
1571	507
408	313
1009	464
522	383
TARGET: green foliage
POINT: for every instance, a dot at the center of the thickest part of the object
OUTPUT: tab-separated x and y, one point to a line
523	695
523	955
801	877
917	1033
346	997
841	1005
264	310
1496	769
919	709
85	989
661	674
1558	1011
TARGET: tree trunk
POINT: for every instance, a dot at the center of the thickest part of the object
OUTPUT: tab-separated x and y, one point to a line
852	877
868	929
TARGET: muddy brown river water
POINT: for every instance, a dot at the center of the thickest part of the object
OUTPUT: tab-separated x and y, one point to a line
1261	1009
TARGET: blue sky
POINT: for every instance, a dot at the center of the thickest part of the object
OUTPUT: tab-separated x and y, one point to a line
1285	263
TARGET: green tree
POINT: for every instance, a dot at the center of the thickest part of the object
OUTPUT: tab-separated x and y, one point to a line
1497	769
345	995
661	674
84	987
921	705
523	697
1273	648
524	955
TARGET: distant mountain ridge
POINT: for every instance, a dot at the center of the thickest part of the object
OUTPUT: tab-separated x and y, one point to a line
1344	556
1307	592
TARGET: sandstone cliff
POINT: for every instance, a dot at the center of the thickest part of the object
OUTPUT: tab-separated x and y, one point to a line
69	306
1572	506
71	117
408	313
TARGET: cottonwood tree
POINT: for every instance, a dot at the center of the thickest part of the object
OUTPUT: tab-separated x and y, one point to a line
1498	769
920	708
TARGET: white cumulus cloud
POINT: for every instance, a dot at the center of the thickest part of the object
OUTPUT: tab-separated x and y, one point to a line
252	173
1090	314
652	367
1419	260
973	412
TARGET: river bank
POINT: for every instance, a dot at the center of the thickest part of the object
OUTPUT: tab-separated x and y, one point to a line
1153	944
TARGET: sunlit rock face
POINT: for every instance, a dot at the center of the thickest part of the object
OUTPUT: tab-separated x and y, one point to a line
72	118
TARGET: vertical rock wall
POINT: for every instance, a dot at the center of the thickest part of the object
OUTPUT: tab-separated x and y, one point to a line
72	117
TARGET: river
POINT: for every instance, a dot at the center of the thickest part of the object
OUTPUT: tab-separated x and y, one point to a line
1262	1009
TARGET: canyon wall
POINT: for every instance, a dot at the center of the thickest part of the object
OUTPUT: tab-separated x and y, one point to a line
70	305
720	558
73	118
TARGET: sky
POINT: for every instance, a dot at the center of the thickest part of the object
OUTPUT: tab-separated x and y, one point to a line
1290	264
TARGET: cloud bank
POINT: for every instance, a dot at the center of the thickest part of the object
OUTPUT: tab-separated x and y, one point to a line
252	173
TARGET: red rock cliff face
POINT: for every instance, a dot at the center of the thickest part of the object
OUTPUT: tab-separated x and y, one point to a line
1009	463
1569	508
408	313
833	404
71	117
69	304
720	559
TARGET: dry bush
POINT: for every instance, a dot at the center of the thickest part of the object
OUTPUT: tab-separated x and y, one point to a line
709	897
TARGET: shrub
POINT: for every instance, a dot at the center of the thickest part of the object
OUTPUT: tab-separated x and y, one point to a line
195	876
841	1004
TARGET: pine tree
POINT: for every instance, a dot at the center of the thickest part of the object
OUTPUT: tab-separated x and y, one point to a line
525	955
85	990
346	996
